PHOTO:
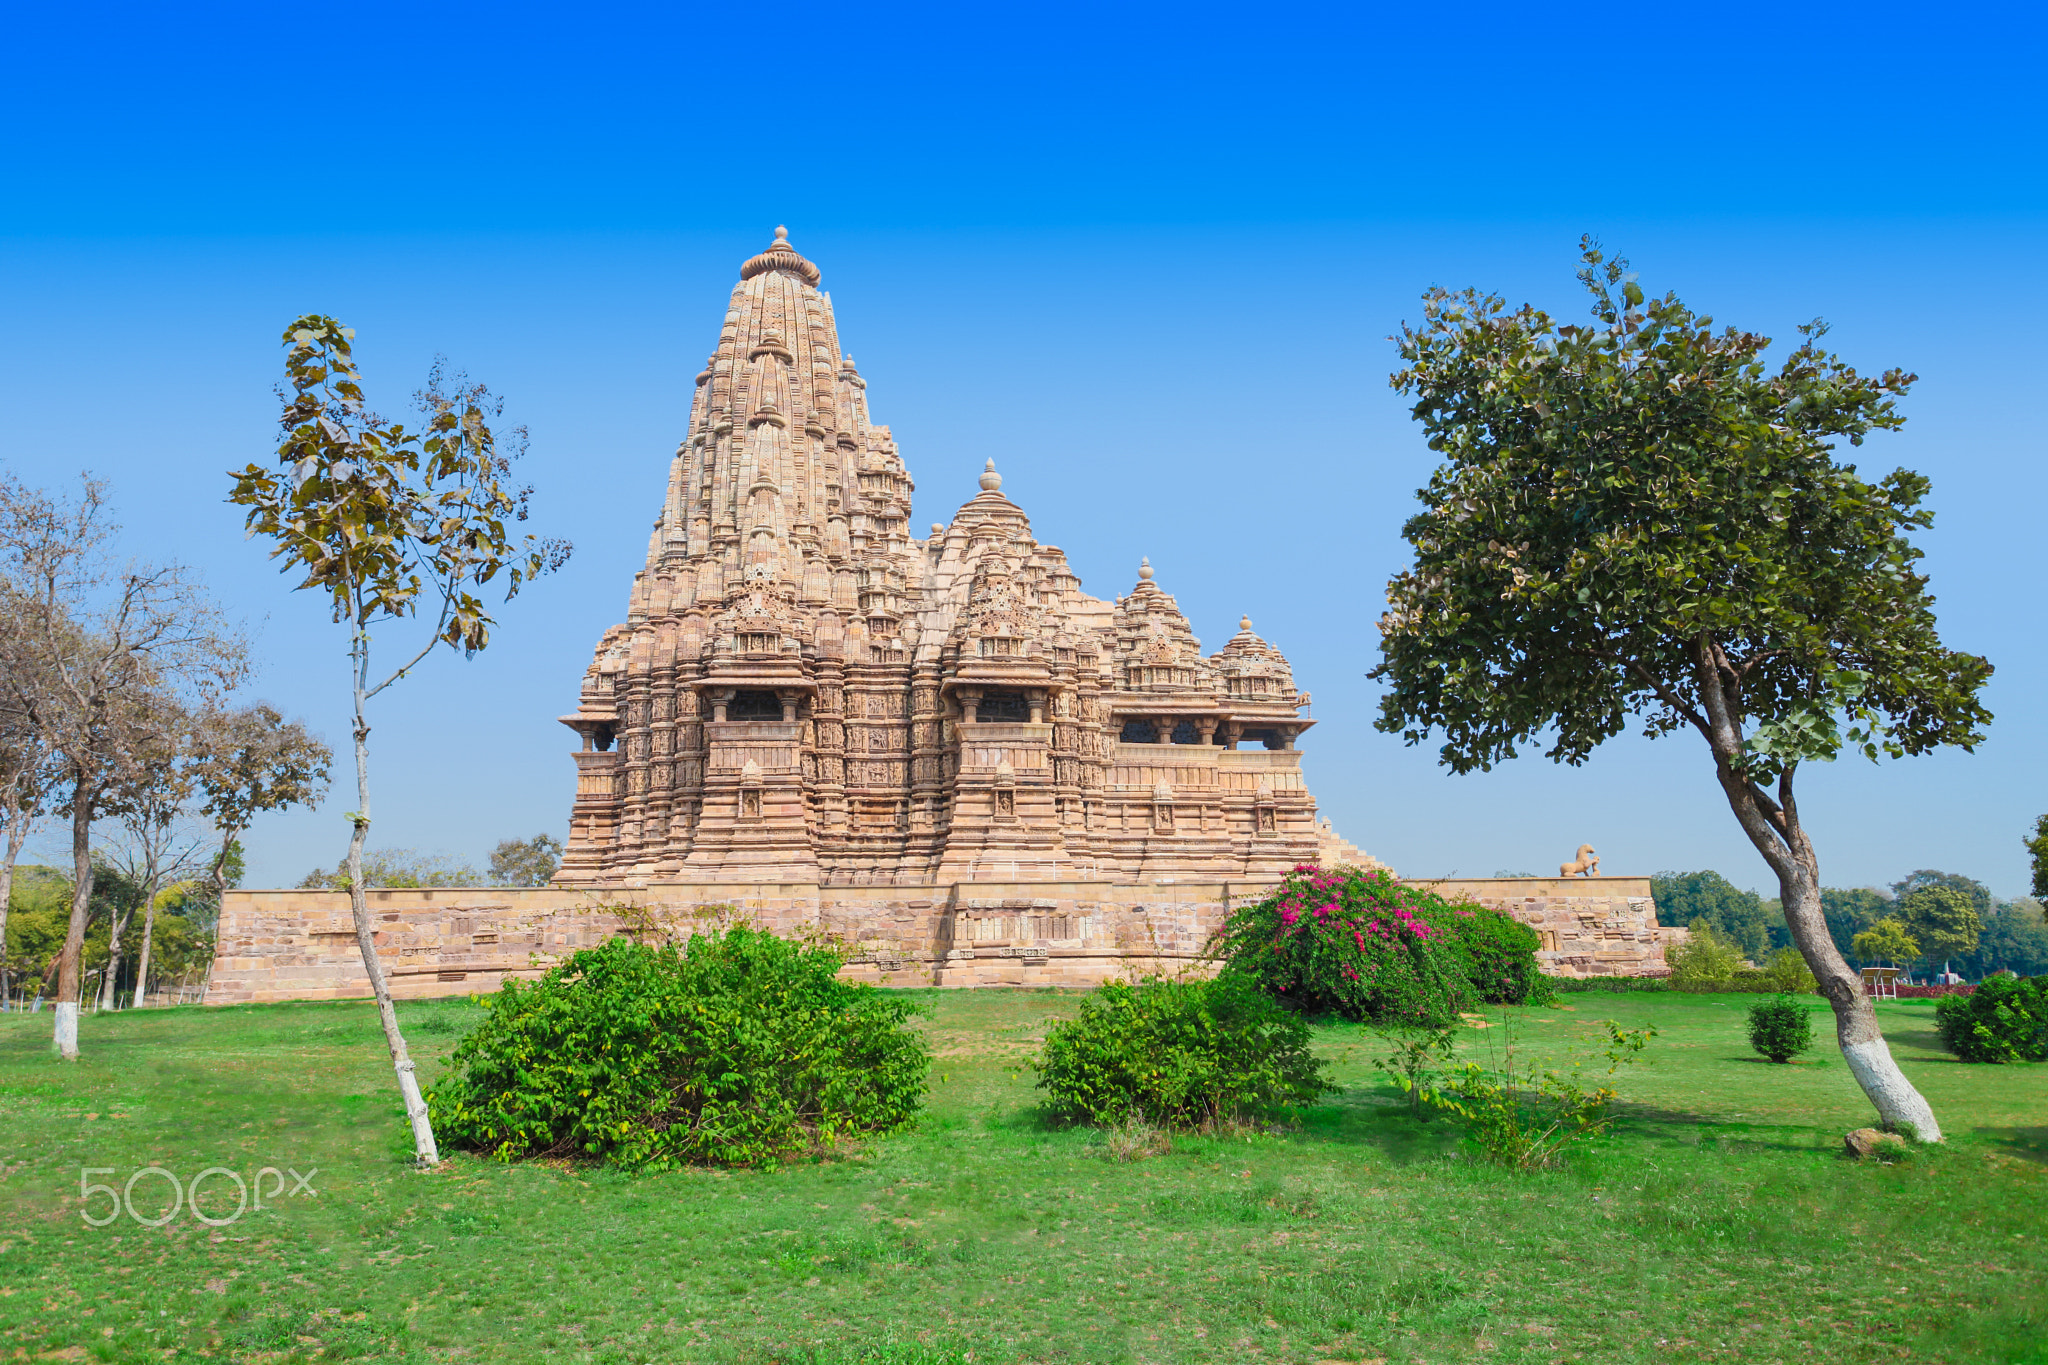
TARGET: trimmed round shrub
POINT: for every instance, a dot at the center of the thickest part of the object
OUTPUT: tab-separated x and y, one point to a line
740	1049
1780	1028
1365	946
1178	1054
2004	1020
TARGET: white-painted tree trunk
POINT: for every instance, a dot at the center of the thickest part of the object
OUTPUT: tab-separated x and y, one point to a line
425	1151
83	800
66	1039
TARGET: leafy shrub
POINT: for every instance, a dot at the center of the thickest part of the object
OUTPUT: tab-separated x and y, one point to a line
1498	954
1178	1054
741	1049
2004	1020
1706	961
1363	945
1780	1028
1525	1114
1788	974
1415	1066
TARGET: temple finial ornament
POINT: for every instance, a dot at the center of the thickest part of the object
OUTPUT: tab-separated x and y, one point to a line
989	478
1244	623
1145	569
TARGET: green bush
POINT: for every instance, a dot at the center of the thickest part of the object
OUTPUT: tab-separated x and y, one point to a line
741	1049
2004	1020
1788	974
1706	961
1178	1054
1498	953
1523	1113
1365	946
1780	1028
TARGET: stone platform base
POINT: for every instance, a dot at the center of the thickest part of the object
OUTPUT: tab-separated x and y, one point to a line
301	945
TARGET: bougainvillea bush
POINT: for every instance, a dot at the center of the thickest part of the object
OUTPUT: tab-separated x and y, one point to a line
1363	945
740	1049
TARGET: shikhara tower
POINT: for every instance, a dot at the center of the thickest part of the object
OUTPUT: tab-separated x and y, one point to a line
803	692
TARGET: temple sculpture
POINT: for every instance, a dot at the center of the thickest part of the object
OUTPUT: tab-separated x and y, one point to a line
803	691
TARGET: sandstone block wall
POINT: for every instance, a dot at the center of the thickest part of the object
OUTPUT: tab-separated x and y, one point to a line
301	945
1589	926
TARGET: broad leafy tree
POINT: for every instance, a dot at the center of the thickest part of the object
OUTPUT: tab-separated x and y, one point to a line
248	760
1887	941
1641	520
1942	919
390	525
2037	854
525	862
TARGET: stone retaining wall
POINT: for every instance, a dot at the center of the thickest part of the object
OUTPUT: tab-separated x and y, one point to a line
301	945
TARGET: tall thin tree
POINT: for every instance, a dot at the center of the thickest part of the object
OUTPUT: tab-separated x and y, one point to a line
29	772
382	520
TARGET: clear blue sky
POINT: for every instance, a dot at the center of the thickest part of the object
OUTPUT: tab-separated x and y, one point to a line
1147	258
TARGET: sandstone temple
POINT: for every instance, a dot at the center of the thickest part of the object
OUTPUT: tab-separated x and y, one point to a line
938	751
805	691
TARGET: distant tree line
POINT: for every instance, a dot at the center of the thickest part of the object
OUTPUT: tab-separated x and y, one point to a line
1946	918
514	862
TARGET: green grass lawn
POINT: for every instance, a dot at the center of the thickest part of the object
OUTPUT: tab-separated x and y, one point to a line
1717	1220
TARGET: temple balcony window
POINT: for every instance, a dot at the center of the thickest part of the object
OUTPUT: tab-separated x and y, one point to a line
1006	707
752	704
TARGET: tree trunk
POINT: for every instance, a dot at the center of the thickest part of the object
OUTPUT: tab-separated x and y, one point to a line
17	835
1899	1105
1774	828
117	931
425	1152
82	800
142	962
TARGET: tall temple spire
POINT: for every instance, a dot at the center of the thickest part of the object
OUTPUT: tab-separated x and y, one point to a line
801	692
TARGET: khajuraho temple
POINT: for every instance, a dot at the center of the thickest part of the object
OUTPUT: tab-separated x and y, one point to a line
805	691
939	753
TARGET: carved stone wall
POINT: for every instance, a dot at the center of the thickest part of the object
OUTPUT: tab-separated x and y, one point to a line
300	945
